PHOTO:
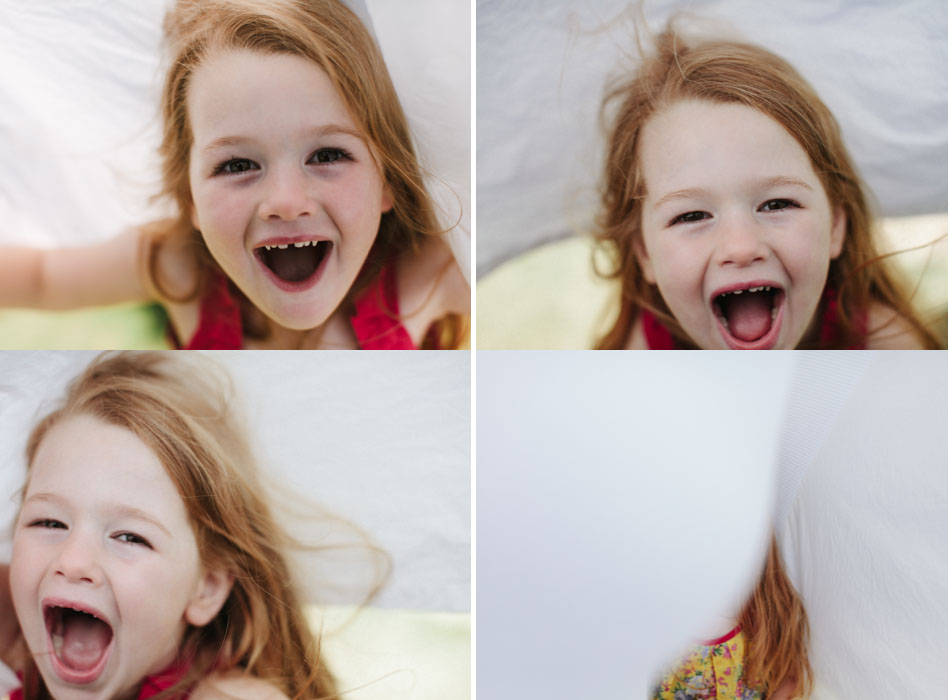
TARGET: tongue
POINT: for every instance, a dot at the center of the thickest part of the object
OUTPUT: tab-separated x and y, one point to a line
748	314
292	264
84	640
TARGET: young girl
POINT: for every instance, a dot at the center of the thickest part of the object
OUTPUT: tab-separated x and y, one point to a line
734	214
145	562
763	656
302	216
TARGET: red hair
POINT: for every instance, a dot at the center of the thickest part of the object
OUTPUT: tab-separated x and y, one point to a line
775	631
727	72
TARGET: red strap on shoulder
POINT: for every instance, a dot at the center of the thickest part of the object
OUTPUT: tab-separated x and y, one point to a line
219	324
376	320
657	336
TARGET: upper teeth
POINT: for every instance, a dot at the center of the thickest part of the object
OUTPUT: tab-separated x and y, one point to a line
751	289
298	244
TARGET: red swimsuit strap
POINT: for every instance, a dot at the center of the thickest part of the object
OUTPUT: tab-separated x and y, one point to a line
220	326
376	319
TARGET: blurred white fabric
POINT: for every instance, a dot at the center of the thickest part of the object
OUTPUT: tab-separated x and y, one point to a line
623	506
542	68
381	439
79	127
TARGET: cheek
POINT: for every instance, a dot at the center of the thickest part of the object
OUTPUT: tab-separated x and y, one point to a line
222	216
677	264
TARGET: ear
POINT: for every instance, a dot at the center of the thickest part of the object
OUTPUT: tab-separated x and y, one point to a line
212	591
638	249
837	233
388	201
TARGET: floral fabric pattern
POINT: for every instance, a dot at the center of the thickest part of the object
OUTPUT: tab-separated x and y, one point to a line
709	671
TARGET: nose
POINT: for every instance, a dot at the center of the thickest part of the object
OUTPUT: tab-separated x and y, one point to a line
286	194
79	560
740	243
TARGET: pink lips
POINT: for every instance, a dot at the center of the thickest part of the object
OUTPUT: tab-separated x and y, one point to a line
67	674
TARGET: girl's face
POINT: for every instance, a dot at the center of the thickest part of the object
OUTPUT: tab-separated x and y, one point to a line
285	191
105	570
738	232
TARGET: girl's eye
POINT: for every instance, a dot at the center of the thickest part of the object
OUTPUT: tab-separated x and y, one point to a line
689	217
47	523
132	538
329	155
778	204
235	166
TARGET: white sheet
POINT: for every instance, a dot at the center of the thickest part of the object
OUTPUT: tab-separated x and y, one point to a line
622	509
541	69
866	540
80	87
382	439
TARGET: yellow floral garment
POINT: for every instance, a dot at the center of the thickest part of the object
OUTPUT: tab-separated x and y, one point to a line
712	670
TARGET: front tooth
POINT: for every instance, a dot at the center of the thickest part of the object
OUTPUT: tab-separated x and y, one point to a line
755	289
737	291
282	246
298	245
267	247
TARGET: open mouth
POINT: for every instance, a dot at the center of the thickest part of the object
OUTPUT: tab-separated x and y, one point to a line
294	262
749	317
80	642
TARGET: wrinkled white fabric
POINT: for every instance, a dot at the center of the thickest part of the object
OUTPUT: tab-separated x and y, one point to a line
79	124
542	68
866	539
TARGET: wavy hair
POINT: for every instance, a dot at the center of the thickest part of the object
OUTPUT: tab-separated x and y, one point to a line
776	632
736	73
181	409
330	35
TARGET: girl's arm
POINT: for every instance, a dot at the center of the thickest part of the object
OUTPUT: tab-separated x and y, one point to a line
70	278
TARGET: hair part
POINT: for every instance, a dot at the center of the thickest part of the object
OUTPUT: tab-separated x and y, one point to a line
182	410
731	72
330	35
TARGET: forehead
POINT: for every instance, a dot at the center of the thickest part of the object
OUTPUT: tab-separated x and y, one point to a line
706	145
84	458
243	92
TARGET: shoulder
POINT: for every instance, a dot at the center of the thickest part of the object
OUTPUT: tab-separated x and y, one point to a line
637	339
169	265
430	286
236	685
888	330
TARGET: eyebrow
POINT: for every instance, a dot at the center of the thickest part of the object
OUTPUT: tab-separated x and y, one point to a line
322	131
125	511
767	183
